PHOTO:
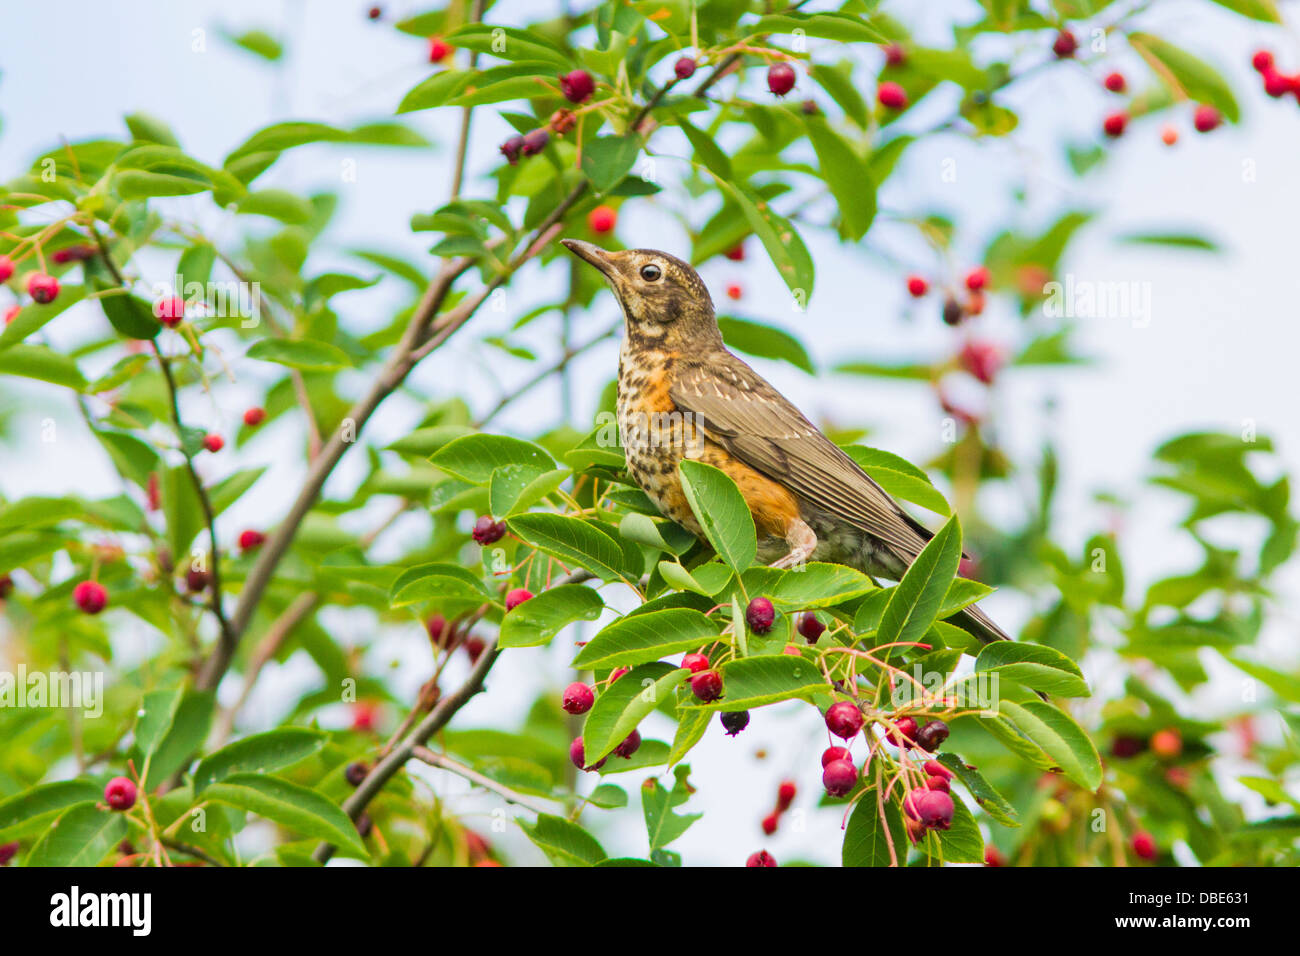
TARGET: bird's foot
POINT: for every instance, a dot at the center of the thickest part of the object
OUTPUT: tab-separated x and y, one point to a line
803	542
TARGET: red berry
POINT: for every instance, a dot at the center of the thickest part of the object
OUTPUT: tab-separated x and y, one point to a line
602	219
578	756
938	783
836	753
578	698
696	662
213	442
8	851
517	597
936	769
761	858
1169	134
170	311
6	586
933	809
1276	84
120	793
629	745
977	278
737	252
90	596
511	149
1204	119
1065	44
844	719
917	286
6	268
254	417
780	78
439	633
981	359
374	13
1144	845
42	288
769	823
894	55
1125	746
1167	744
735	291
535	142
196	580
684	68
785	795
474	648
891	96
1114	124
355	773
839	777
73	254
438	49
1262	61
811	627
486	531
1115	82
364	716
734	721
11	313
250	539
759	615
906	726
932	735
577	85
993	857
707	686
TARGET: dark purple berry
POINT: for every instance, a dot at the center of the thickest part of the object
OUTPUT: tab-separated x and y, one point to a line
486	531
759	615
734	721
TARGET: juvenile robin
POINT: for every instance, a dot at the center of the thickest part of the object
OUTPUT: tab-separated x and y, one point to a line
681	393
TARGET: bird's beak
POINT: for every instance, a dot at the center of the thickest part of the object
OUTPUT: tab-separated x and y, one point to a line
588	252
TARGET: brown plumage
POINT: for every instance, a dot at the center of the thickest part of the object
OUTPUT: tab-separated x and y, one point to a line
681	393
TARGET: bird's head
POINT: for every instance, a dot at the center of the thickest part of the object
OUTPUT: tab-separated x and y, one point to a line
665	302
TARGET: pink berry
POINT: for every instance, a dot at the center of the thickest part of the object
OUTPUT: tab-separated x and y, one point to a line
844	719
486	531
761	858
6	268
629	745
577	86
933	809
780	78
696	662
936	769
90	596
895	55
42	288
578	756
1262	61
578	698
1205	119
684	68
938	783
535	142
120	793
512	148
891	96
839	777
770	823
917	286
981	359
517	597
250	539
759	615
170	311
993	857
836	753
213	442
1144	845
906	726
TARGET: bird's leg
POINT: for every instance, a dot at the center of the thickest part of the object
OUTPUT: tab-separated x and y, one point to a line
803	542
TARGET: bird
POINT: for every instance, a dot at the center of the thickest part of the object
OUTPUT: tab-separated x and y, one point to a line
682	393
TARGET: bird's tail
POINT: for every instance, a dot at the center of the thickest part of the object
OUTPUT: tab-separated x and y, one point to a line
975	621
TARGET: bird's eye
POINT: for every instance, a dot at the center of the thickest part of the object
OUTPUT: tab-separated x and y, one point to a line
651	273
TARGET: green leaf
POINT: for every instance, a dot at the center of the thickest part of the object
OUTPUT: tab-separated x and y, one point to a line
662	825
300	354
721	511
765	341
1194	77
537	621
142	184
293	806
33	317
1264	10
607	159
639	638
564	843
899	477
154	719
783	244
182	509
817	585
624	704
510	43
1056	733
1034	665
258	42
150	129
707	151
42	363
826	26
130	315
691	725
185	735
82	837
259	753
22	812
573	540
914	603
985	794
750	682
229	490
847	176
513	488
277	204
475	457
865	839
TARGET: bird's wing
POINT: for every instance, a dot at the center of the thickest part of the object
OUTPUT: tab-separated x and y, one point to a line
735	407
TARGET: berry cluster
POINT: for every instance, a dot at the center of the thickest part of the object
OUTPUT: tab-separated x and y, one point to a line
1276	83
785	795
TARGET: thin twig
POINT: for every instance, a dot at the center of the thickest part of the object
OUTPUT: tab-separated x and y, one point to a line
443	762
563	363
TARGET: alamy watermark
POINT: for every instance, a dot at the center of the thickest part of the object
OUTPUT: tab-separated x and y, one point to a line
71	690
1091	299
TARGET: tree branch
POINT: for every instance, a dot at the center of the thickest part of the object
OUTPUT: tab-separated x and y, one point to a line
443	762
